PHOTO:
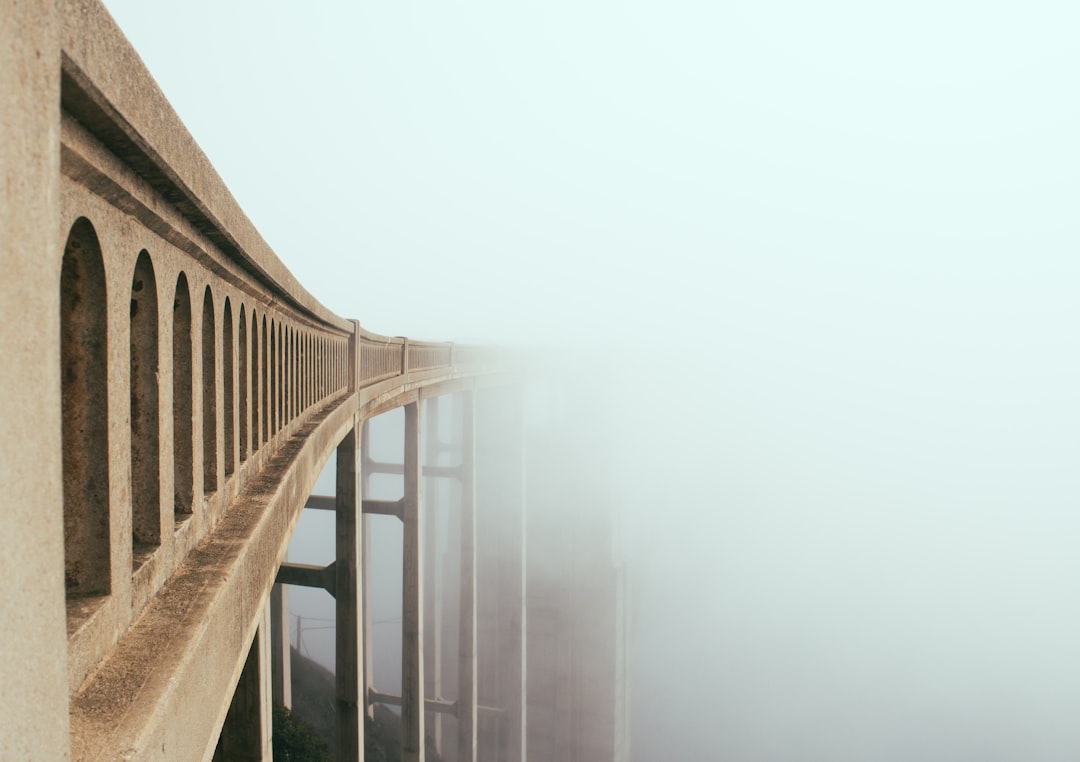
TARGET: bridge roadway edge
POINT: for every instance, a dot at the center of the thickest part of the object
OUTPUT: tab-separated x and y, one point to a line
148	698
163	691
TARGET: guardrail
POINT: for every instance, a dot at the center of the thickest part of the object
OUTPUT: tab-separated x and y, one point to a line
189	353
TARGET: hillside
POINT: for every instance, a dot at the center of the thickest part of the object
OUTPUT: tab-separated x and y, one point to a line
313	705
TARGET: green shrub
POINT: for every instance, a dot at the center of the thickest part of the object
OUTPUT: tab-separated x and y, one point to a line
295	741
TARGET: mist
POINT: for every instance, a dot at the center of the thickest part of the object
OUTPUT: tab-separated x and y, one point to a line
814	268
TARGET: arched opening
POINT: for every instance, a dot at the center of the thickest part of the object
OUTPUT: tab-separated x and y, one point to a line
295	373
182	401
243	383
256	393
264	371
306	397
85	418
282	377
292	373
209	396
273	380
318	368
228	370
301	372
309	369
287	381
145	450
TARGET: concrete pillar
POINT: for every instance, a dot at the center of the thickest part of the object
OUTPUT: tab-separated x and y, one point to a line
349	601
280	646
412	611
33	668
246	734
467	607
366	620
450	570
433	587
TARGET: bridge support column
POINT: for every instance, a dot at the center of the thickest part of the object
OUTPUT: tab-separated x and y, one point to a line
280	646
349	601
467	607
434	511
246	734
412	609
365	560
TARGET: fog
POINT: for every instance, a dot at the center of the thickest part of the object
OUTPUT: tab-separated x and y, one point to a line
817	267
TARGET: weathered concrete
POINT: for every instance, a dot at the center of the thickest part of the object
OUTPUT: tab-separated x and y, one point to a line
307	575
188	641
170	395
100	61
246	734
33	720
412	604
349	633
280	647
433	575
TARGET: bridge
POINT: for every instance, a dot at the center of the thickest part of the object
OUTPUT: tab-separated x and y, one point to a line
171	394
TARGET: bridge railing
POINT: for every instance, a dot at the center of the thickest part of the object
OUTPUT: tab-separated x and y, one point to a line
381	357
189	353
426	356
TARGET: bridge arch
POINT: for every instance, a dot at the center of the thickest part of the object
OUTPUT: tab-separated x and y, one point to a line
209	396
228	371
275	376
144	393
265	381
242	385
290	373
85	426
256	375
183	444
297	372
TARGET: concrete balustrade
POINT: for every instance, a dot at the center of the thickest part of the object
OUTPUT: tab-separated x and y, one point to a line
174	393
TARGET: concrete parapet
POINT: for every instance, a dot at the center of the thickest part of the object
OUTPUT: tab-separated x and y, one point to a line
171	393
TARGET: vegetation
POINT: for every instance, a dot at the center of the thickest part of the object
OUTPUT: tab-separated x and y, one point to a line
313	710
295	740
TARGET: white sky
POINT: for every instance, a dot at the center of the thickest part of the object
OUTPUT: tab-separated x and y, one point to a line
838	242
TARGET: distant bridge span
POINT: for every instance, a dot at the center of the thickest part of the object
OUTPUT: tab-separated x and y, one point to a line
171	393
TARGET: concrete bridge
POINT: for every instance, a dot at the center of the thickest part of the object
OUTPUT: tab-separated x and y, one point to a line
170	395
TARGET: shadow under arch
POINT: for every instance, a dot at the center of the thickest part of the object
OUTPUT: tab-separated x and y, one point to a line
183	389
85	415
145	451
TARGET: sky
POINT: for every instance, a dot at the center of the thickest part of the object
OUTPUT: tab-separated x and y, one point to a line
825	256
